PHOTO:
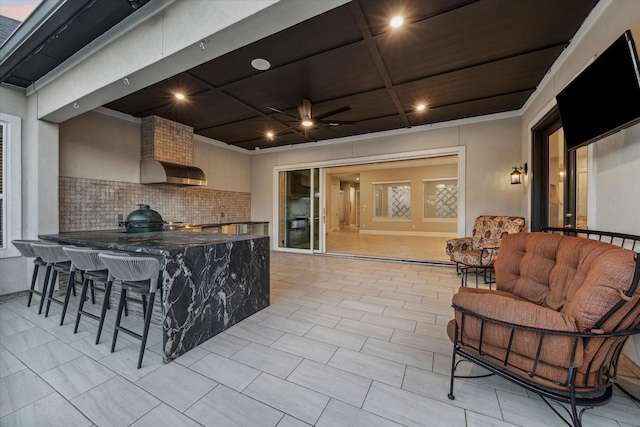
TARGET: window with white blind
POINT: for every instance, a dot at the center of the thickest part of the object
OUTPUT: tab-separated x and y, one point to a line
10	184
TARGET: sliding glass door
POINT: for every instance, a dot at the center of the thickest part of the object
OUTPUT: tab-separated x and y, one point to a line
299	213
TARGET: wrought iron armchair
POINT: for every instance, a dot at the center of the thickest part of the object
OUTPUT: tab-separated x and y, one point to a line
479	252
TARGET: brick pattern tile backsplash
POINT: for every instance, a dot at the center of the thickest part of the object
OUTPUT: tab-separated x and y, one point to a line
166	140
91	204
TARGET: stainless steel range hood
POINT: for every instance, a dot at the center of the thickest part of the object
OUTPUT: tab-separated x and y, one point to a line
157	172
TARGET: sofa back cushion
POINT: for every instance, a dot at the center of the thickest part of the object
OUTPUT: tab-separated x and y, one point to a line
575	275
525	263
488	231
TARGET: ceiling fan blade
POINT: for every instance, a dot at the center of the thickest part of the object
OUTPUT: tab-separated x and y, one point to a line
337	122
305	109
282	112
324	127
306	132
332	112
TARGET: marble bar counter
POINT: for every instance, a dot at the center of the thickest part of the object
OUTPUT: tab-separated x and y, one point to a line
210	280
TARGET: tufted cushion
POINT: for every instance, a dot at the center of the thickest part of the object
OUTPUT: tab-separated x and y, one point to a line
553	270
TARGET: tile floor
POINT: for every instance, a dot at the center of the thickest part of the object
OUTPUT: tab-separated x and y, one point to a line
345	343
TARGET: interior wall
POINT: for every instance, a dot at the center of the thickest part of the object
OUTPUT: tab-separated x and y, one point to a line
415	224
492	144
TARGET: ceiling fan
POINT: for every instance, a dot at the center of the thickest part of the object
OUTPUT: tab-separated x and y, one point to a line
308	122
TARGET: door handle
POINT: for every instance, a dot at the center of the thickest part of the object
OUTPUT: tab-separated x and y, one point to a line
568	216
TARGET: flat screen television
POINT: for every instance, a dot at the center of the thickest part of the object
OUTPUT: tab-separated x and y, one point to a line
604	98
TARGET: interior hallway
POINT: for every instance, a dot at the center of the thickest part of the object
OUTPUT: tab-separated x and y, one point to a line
345	342
348	241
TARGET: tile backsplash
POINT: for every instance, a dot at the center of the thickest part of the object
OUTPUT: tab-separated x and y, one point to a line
166	140
92	204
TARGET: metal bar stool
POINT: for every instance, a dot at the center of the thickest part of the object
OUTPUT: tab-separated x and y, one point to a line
58	261
24	246
94	271
139	275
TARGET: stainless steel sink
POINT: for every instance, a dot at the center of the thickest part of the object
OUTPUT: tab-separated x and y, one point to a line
234	229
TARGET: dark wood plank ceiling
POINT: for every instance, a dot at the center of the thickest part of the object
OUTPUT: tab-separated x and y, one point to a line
462	58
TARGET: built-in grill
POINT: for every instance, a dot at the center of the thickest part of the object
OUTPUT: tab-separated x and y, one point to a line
181	226
143	220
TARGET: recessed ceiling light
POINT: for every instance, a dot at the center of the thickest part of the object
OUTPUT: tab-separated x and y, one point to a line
180	96
421	107
260	64
396	21
307	123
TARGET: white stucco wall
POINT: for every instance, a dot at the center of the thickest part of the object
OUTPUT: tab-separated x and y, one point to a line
39	183
615	169
99	146
225	169
105	145
492	145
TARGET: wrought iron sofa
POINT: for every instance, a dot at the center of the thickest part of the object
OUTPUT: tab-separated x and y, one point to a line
556	324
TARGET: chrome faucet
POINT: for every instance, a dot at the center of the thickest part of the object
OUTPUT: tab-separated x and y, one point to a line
221	213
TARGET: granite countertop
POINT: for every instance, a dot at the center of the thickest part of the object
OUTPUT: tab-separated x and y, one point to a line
158	242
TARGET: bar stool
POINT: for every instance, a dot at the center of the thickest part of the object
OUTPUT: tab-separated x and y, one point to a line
139	275
93	271
58	261
24	246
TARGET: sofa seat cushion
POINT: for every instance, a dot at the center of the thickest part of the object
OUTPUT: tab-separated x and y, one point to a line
556	349
468	257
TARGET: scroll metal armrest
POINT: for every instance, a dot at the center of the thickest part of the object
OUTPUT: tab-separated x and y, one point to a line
595	333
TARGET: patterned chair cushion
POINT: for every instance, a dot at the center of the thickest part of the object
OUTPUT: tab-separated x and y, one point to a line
482	258
489	231
482	248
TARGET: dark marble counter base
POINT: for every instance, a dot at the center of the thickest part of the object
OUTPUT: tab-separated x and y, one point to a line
210	288
210	281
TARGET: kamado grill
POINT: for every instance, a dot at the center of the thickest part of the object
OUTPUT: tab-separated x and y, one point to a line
143	220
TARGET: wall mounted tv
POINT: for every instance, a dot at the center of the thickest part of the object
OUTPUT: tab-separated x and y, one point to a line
604	98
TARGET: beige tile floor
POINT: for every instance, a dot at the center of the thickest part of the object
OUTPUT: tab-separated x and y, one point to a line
348	241
344	343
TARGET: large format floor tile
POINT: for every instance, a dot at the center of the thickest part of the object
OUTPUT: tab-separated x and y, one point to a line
297	401
226	407
116	402
345	342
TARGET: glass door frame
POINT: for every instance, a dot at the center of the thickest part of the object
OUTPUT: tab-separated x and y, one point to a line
459	151
313	177
539	214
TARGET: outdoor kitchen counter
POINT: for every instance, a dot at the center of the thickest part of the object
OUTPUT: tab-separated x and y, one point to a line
210	280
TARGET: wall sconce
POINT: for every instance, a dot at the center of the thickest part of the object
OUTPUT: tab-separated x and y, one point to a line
516	175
